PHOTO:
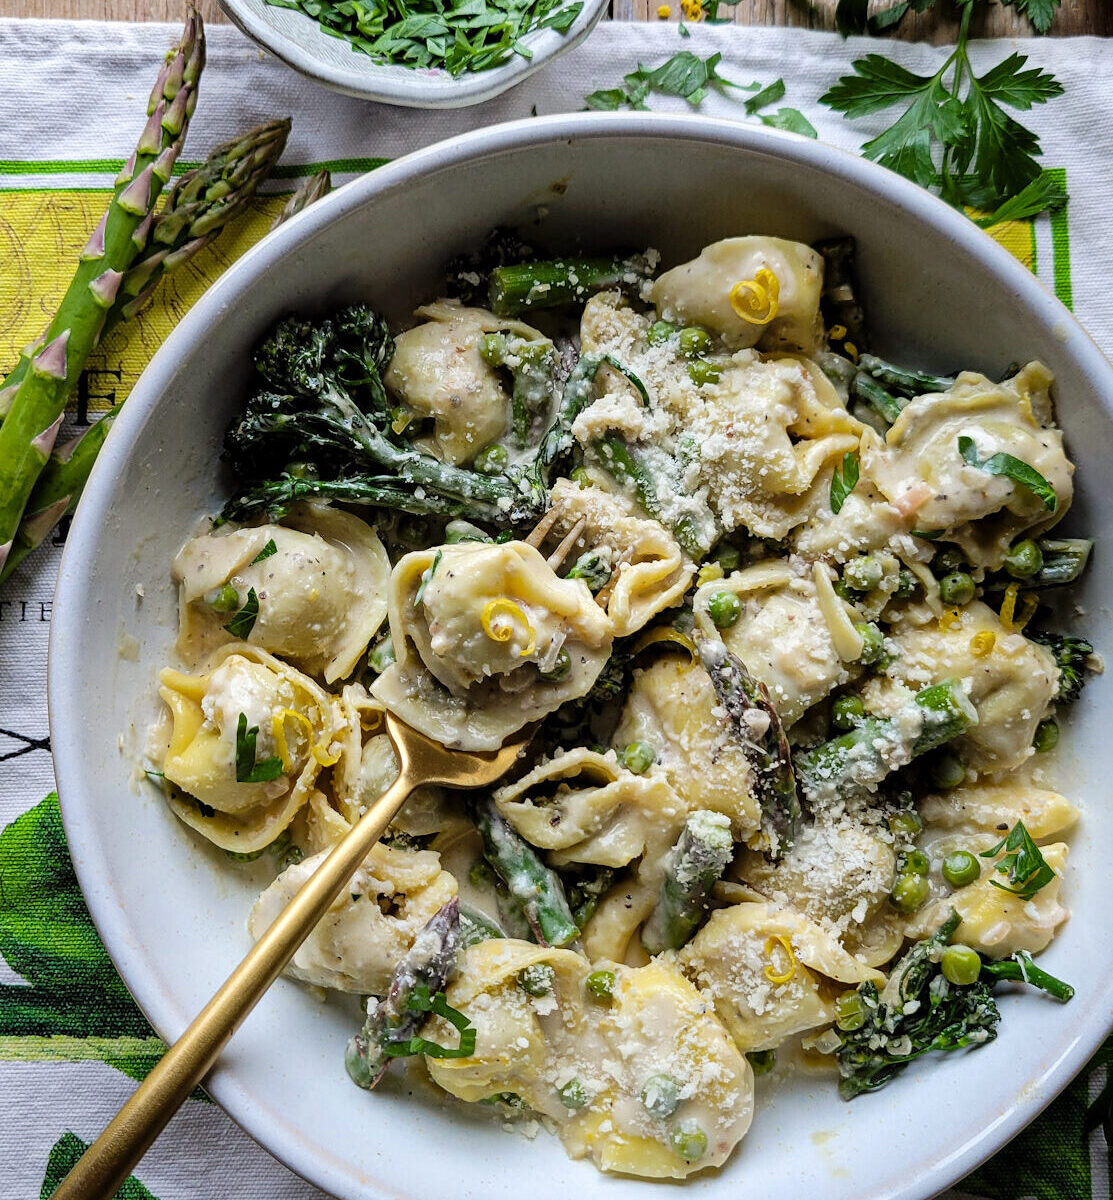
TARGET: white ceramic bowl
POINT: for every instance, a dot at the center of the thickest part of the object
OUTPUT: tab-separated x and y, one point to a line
301	43
172	911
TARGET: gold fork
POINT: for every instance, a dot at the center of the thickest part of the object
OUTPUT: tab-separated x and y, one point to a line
103	1168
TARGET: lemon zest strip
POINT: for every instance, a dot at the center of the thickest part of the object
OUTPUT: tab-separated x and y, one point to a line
757	300
504	607
982	643
771	943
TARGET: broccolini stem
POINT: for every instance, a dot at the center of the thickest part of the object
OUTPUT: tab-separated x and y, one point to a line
537	888
1022	969
692	868
575	397
522	287
909	383
428	963
865	755
884	403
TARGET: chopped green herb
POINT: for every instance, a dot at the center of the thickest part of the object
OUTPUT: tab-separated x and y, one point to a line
768	95
241	625
421	1001
248	770
269	549
684	74
426	576
844	481
790	119
1023	864
1012	468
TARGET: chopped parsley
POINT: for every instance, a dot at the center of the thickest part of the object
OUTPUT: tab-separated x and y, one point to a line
844	481
266	552
1023	864
1012	468
248	770
241	625
426	576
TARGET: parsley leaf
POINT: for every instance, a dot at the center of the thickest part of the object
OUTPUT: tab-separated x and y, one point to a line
1040	12
791	119
266	552
684	75
1023	864
426	575
247	769
852	16
768	95
421	1001
241	625
954	134
1011	468
845	481
1044	194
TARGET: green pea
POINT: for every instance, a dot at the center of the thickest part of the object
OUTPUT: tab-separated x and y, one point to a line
947	770
908	822
463	531
689	1142
947	560
843	592
956	588
537	979
910	892
661	1095
381	655
847	712
762	1061
638	757
961	868
492	460
301	470
573	1095
724	609
907	583
917	862
960	965
659	331
224	599
601	984
581	476
559	669
701	371
863	573
850	1012
694	341
873	643
1024	559
728	557
1047	735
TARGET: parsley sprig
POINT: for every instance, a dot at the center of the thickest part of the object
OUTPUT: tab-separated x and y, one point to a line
844	480
248	770
954	133
1022	864
421	1001
243	621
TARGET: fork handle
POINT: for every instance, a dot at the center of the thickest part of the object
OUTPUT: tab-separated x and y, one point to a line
104	1167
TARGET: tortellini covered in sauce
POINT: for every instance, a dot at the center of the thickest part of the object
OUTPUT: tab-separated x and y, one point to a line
212	754
488	638
645	1082
439	371
706	292
369	926
317	584
919	466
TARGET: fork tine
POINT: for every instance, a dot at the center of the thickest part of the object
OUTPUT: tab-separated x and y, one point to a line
570	539
541	530
604	593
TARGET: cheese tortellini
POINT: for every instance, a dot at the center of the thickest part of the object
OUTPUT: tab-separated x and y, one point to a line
488	638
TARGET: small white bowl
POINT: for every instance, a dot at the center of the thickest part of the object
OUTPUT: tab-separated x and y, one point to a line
172	911
303	44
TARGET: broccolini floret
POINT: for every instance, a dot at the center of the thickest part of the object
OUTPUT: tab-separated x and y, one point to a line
1072	655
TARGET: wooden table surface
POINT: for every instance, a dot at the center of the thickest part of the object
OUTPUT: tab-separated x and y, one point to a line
1075	16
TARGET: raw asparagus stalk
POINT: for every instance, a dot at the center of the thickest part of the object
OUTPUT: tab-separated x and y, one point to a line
521	287
311	189
839	302
862	758
202	202
1020	968
56	361
537	888
750	710
909	383
428	963
199	205
57	490
693	867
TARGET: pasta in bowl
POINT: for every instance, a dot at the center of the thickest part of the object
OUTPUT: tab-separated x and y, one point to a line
774	605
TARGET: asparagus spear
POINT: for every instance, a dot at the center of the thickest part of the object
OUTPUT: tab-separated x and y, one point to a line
749	709
863	757
476	927
56	361
202	202
311	189
521	287
575	397
533	366
537	888
692	868
427	964
884	403
909	383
